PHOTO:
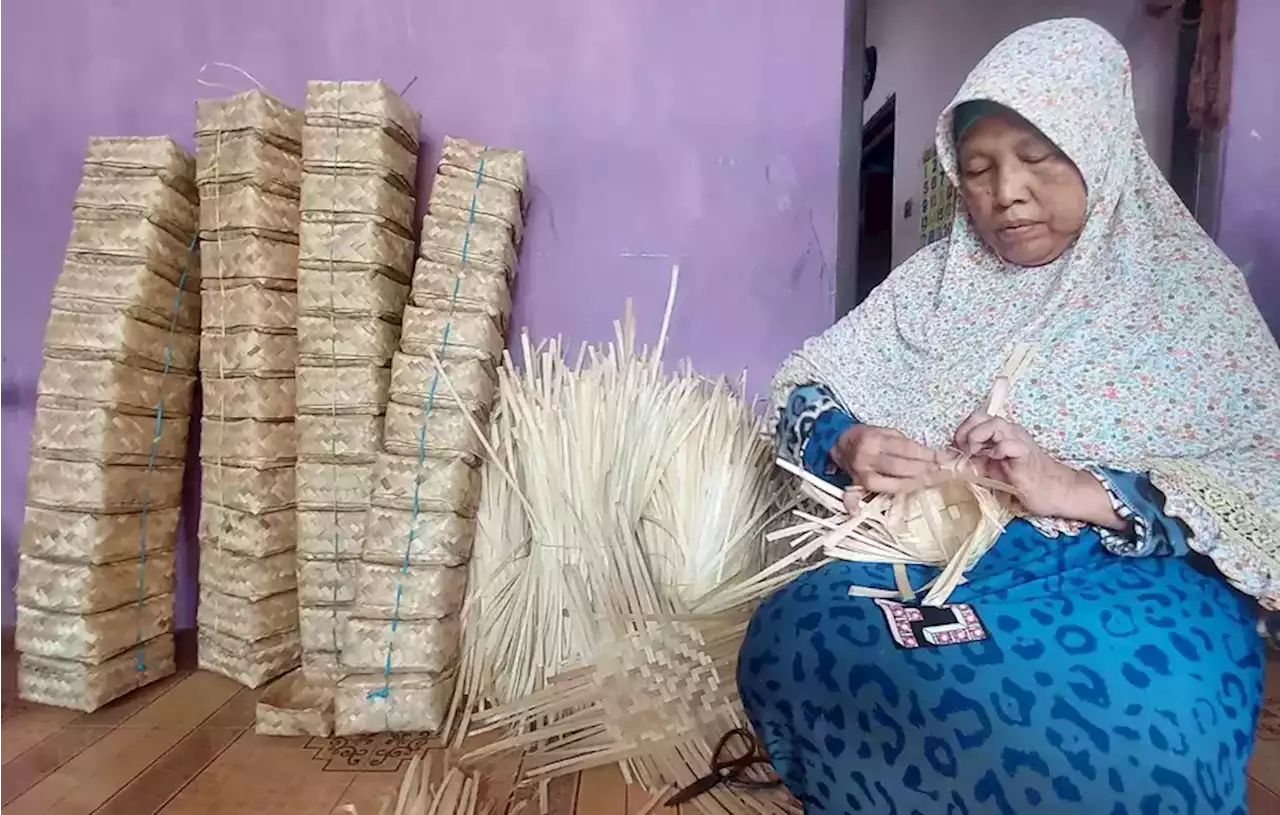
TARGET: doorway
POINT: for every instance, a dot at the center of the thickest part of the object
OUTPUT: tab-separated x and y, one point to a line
875	238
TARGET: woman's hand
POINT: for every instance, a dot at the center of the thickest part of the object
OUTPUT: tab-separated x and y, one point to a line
1005	452
882	460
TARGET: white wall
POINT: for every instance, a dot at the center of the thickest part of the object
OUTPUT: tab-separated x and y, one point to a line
927	47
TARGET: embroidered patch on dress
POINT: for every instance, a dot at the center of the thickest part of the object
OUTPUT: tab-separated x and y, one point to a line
931	626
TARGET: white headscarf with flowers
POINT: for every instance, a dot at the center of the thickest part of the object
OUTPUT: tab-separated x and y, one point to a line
1150	353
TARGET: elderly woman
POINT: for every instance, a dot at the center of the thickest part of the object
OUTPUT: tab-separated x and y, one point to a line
1112	664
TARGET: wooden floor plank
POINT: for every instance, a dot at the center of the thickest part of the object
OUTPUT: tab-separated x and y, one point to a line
84	783
602	791
1262	801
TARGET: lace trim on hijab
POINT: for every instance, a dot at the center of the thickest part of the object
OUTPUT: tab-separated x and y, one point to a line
1229	527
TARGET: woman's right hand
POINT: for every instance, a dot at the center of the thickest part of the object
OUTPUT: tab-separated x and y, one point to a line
882	460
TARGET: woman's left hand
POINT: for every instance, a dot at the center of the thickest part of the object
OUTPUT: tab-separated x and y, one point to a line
1005	452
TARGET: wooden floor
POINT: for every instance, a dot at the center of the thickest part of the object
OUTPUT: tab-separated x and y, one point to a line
186	746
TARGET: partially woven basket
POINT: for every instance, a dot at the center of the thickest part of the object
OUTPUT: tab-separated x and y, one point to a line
462	288
248	443
248	304
344	197
141	157
469	160
487	246
79	382
243	256
355	247
340	438
462	199
250	664
249	352
374	105
249	578
328	535
440	538
129	287
366	151
119	338
471	335
108	436
473	382
266	398
248	489
326	582
131	199
295	706
328	340
341	487
368	293
442	433
88	486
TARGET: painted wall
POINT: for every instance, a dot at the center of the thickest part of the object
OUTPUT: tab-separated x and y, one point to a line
926	48
657	131
1249	227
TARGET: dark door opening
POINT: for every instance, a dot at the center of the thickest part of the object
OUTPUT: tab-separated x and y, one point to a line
875	240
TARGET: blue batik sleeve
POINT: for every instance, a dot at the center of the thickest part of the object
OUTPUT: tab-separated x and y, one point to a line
1150	530
809	425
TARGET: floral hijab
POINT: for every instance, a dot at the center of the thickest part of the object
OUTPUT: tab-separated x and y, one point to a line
1150	353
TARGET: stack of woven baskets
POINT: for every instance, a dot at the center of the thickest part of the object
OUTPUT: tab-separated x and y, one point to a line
360	157
401	641
95	582
249	172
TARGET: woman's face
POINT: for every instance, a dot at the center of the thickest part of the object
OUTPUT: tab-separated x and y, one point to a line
1025	198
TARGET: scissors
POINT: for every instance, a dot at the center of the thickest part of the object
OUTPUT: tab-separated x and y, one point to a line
734	758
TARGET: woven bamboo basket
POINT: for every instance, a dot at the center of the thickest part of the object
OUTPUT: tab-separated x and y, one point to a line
141	157
77	537
365	294
359	389
328	535
440	538
321	627
248	443
472	382
244	619
329	486
362	151
249	578
247	489
107	436
425	592
355	246
252	664
467	199
487	246
295	705
88	486
129	287
466	159
417	646
243	207
71	383
119	338
250	110
137	240
346	340
442	433
245	304
248	352
247	534
363	105
92	638
444	485
444	286
76	685
326	582
249	257
412	702
125	199
247	157
267	398
344	197
336	439
470	335
74	588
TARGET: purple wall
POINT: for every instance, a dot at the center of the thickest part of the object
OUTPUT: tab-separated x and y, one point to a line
657	131
1249	226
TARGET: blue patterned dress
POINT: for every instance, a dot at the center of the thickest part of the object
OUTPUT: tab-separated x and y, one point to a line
1110	674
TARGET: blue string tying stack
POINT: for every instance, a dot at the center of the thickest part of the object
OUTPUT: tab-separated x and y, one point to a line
403	634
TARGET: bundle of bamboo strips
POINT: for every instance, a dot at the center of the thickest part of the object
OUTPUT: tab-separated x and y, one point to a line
248	172
360	157
657	686
95	579
400	642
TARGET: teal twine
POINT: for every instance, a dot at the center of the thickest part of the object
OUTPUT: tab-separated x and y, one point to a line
140	663
428	404
333	354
